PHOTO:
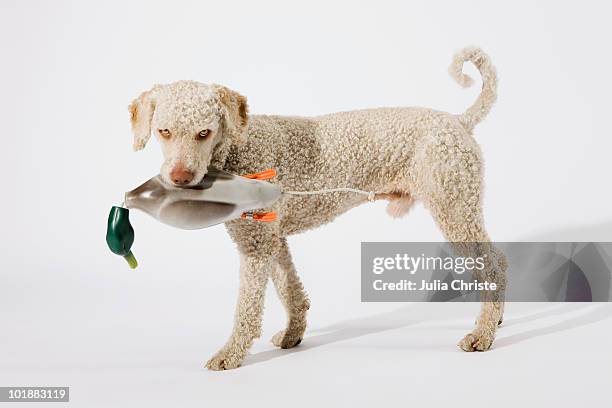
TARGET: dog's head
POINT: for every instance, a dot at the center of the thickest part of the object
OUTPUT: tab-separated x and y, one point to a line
195	123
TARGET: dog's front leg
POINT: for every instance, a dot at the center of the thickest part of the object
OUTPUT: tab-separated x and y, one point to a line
254	273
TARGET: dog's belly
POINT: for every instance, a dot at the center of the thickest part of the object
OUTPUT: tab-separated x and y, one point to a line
300	214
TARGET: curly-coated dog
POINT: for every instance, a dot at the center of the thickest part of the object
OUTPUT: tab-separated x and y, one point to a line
403	154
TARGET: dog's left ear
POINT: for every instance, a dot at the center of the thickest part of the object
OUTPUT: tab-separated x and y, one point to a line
141	114
235	112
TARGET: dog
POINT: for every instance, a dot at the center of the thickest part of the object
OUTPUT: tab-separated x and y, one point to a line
403	154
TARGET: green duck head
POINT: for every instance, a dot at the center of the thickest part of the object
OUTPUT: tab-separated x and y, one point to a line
120	234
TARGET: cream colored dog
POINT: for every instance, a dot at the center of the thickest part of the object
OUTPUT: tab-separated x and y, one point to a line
404	154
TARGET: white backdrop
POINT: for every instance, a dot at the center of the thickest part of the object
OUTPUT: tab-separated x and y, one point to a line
73	314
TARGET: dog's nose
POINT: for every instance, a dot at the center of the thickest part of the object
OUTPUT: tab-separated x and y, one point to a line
181	176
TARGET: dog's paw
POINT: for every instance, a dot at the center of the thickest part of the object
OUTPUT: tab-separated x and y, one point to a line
286	339
224	360
476	342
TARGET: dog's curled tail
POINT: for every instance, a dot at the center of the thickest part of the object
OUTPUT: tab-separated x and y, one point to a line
477	112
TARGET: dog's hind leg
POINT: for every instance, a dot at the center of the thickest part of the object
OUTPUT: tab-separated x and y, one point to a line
452	191
294	299
492	301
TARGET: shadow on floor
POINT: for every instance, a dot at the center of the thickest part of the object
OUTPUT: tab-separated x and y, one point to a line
350	329
416	313
595	314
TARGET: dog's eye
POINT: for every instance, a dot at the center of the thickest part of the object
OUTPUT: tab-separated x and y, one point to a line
203	133
165	133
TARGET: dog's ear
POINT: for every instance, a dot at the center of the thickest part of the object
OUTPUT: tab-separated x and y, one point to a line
235	112
141	113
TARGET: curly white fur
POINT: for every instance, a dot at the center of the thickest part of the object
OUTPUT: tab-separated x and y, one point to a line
404	154
477	112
